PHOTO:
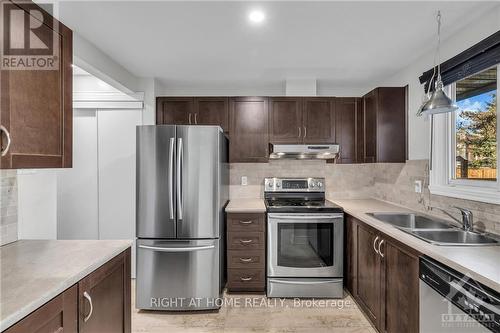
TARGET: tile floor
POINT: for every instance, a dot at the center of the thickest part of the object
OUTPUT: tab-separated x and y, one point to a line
252	315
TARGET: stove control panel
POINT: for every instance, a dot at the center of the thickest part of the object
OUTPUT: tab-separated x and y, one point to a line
294	184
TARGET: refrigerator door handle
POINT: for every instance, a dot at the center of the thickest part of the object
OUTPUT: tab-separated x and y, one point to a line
171	178
177	249
179	178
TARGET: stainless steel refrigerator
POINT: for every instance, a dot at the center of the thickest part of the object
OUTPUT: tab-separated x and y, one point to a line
182	189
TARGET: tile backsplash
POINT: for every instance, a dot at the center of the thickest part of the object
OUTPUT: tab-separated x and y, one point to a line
393	182
8	206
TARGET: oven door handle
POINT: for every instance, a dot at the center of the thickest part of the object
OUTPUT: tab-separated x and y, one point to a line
279	281
305	217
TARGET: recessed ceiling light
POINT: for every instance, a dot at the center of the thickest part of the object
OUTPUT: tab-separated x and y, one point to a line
256	16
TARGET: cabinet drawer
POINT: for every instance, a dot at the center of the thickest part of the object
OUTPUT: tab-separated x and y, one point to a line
245	240
246	279
246	259
245	222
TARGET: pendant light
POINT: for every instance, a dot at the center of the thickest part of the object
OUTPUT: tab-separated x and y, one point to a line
437	101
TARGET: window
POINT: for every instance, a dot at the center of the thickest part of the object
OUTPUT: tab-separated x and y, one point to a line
466	143
475	130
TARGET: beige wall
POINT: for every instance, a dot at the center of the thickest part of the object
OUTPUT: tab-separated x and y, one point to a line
8	206
393	182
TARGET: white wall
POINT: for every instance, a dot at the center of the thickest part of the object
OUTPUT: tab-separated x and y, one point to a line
418	127
77	195
93	60
257	88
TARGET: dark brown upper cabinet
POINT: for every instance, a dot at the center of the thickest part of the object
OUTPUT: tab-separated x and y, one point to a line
285	119
383	130
302	120
318	120
346	111
193	111
212	111
36	104
249	129
175	110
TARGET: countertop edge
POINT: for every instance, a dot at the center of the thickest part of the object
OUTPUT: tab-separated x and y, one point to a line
424	248
246	205
36	304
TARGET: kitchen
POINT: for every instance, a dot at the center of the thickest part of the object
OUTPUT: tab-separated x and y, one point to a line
279	168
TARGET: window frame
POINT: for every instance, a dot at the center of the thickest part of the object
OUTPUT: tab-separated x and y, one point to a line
442	181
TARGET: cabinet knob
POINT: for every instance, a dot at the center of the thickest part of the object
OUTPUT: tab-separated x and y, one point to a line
7	135
246	241
246	278
89	299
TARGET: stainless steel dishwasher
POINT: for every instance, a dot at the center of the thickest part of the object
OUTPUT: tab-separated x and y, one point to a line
453	302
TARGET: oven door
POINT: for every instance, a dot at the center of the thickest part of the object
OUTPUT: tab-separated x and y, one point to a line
305	245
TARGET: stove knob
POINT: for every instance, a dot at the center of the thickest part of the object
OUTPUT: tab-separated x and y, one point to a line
278	185
319	184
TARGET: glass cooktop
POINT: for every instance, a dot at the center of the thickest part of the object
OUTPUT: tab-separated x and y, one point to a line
301	205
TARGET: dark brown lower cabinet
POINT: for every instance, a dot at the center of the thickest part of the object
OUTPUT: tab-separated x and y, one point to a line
246	252
100	302
382	276
104	297
57	315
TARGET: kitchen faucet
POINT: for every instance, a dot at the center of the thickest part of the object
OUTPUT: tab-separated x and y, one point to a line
467	217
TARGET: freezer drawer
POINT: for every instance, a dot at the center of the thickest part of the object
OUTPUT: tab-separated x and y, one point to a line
178	275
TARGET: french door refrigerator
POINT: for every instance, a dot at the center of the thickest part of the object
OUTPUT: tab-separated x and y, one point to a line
182	189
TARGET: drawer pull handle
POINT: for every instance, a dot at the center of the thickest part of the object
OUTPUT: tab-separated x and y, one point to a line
246	241
246	222
246	259
89	299
246	278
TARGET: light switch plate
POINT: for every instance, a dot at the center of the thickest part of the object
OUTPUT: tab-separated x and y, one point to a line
418	186
244	180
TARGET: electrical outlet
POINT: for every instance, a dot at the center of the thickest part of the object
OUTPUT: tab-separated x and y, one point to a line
244	180
418	186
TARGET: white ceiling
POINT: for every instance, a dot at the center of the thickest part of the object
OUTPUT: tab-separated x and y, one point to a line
338	43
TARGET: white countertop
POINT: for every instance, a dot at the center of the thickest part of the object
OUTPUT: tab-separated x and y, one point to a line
246	206
481	263
32	272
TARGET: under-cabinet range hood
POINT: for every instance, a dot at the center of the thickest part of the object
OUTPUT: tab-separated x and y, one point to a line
304	152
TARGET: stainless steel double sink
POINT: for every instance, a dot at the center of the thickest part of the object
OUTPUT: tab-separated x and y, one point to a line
434	231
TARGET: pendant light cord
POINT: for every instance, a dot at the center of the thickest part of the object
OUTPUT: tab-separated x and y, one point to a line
438	51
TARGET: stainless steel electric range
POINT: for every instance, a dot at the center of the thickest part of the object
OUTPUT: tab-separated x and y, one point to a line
305	239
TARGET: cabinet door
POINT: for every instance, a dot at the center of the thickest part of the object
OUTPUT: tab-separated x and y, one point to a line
285	120
57	315
249	130
360	131
104	297
391	125
400	288
174	111
370	127
36	104
350	271
368	272
345	128
318	120
212	111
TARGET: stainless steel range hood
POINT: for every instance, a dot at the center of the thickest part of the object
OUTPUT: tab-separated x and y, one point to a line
304	152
